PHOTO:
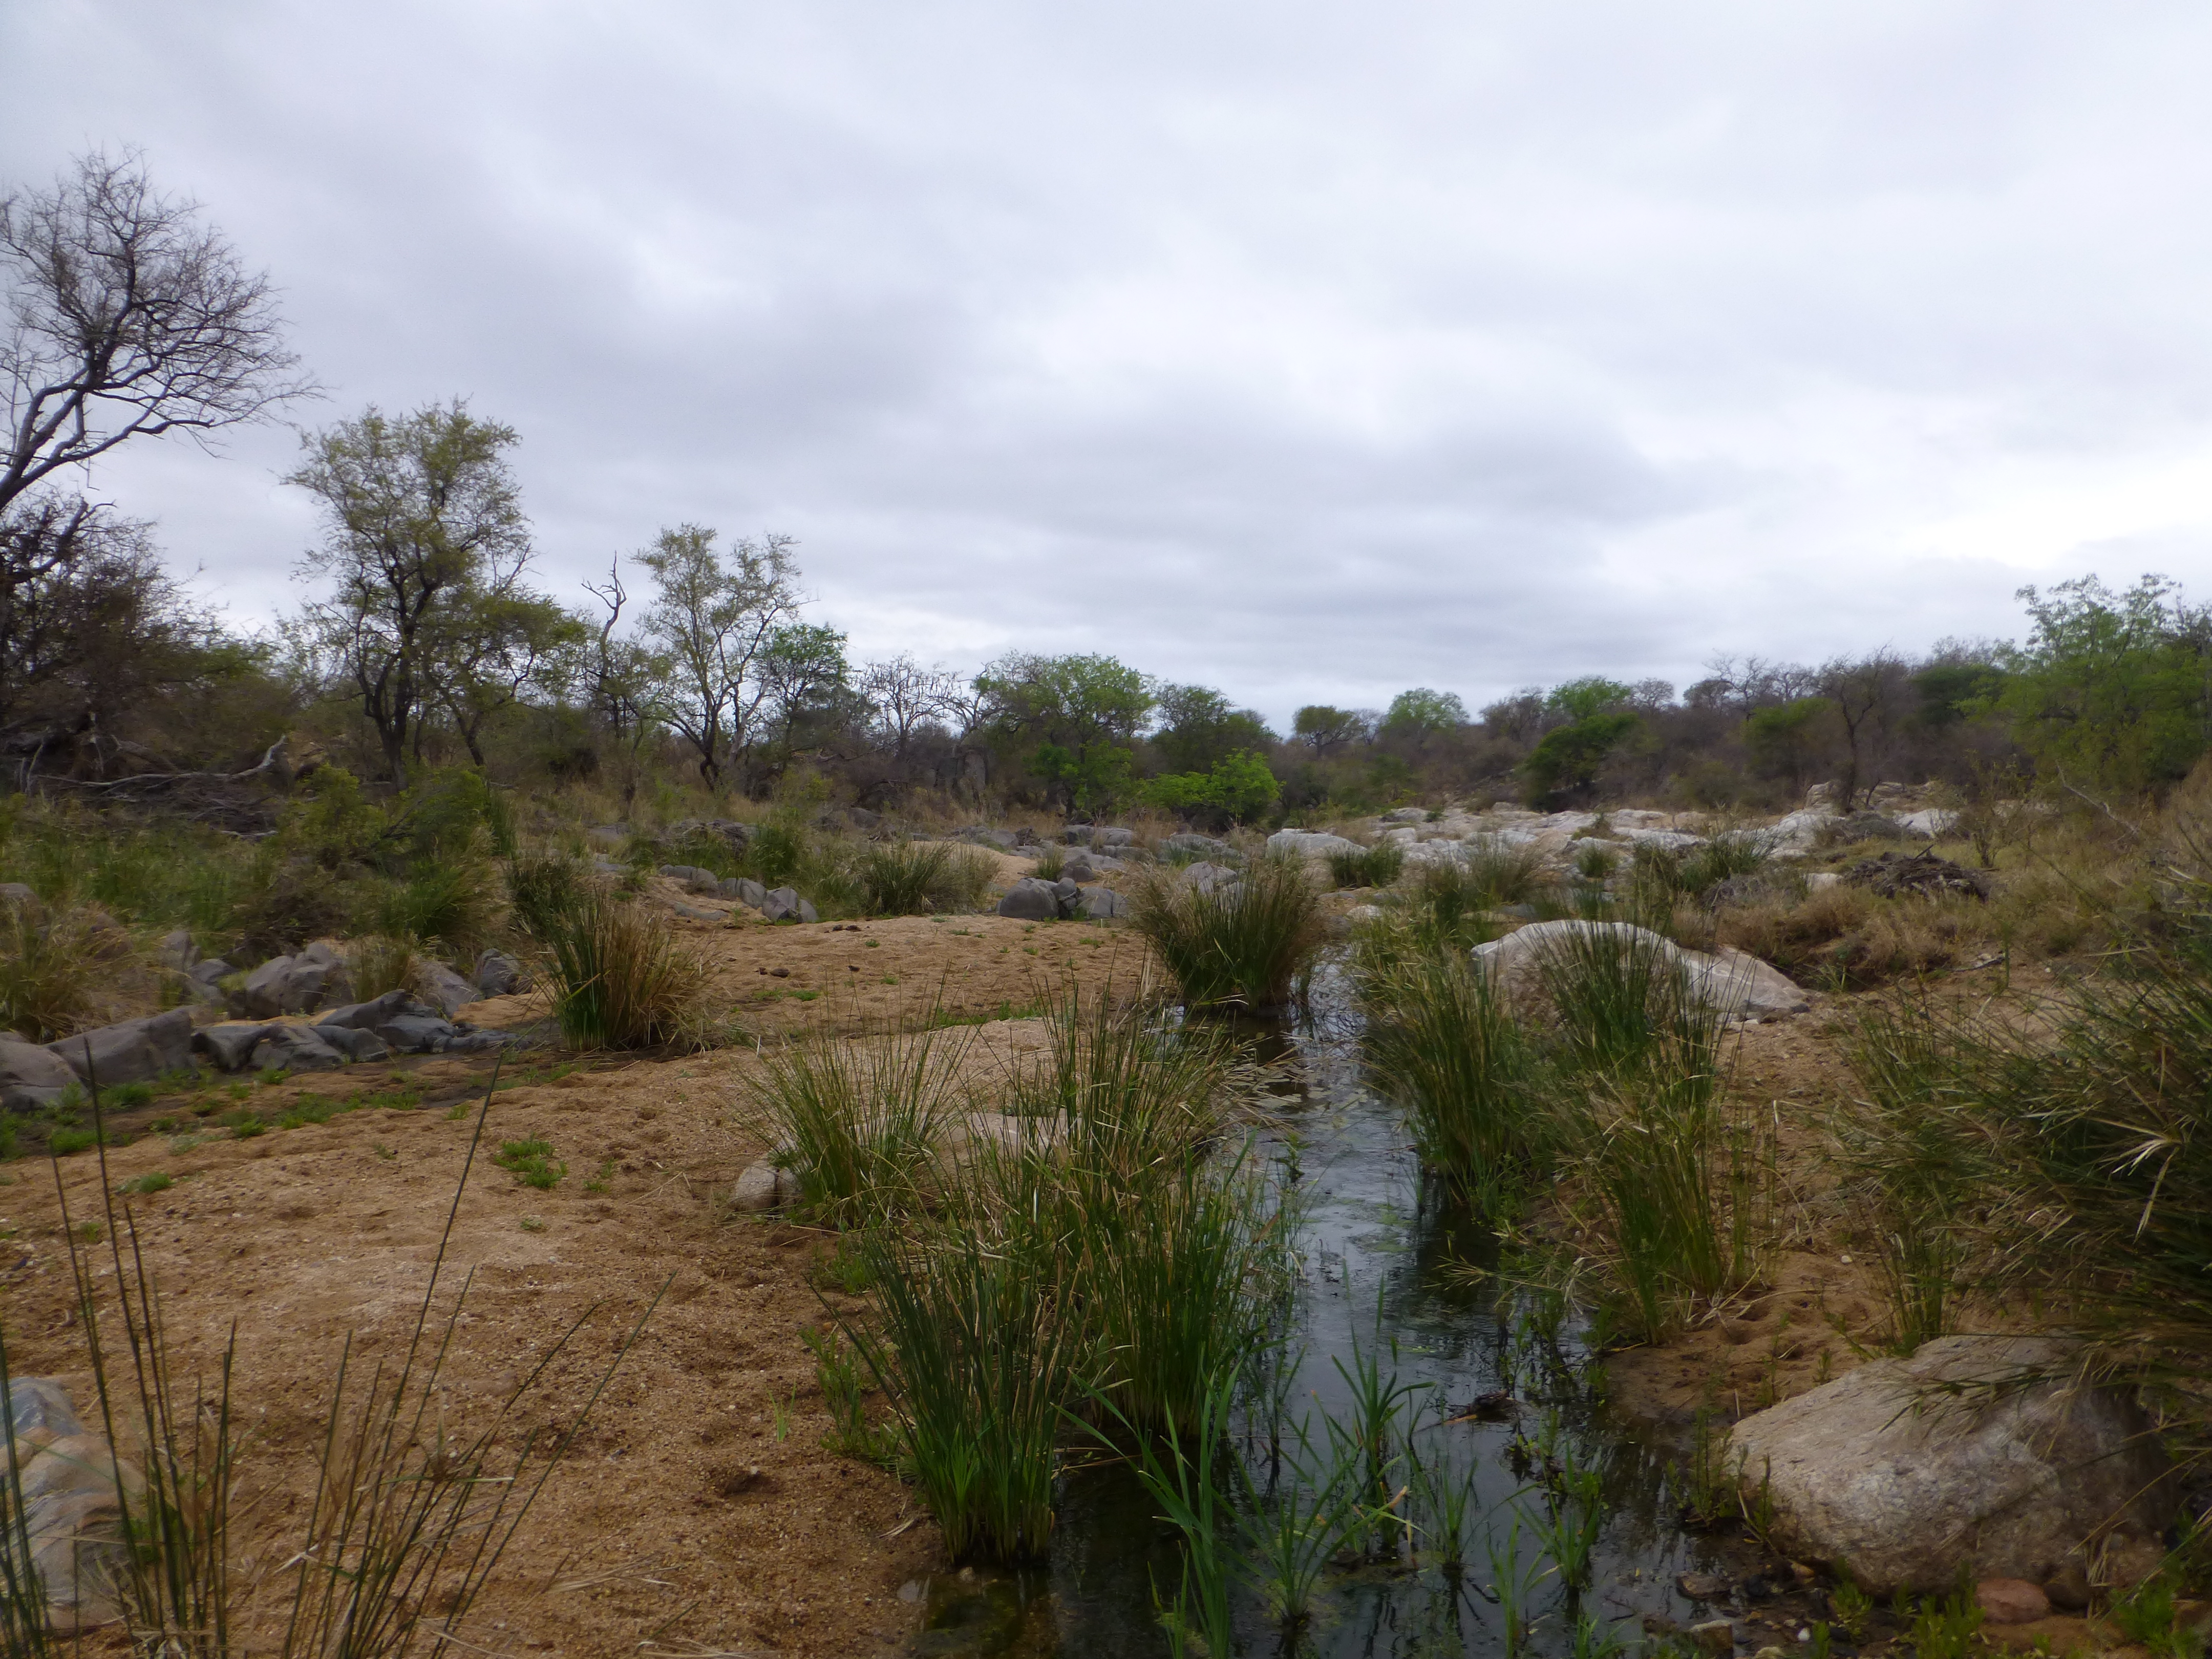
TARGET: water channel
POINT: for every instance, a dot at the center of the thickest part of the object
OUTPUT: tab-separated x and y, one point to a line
1380	1272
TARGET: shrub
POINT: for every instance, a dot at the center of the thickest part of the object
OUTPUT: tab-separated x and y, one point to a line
620	979
1370	866
1244	945
544	887
283	902
859	1120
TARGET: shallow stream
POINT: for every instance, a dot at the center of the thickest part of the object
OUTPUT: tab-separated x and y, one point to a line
1380	1275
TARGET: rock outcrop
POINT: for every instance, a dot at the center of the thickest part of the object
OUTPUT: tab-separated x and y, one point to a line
1978	1455
1738	986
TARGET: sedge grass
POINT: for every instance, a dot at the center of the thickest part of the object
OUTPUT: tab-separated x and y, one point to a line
859	1122
620	977
979	1357
1370	867
1442	1042
1244	945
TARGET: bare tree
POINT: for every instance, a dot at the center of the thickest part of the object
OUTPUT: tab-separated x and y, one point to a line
126	318
905	696
1865	692
617	680
714	618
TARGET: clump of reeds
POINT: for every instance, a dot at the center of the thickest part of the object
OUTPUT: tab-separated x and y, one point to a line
1442	1042
381	963
52	967
979	1352
543	888
1370	867
620	977
1244	945
1102	1250
859	1122
919	878
1667	1192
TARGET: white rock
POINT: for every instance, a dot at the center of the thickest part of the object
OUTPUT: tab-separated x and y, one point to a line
1309	843
1909	1476
1740	986
762	1188
1929	822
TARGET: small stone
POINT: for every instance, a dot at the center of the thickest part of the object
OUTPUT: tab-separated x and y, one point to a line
2011	1600
1714	1636
1702	1586
756	1191
1801	1573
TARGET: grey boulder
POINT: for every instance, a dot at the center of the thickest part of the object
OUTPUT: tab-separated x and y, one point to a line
1112	835
212	972
1030	900
1738	986
176	950
783	903
295	1048
370	1015
697	879
500	975
230	1045
283	985
1984	1456
448	988
1101	903
746	891
1079	869
30	1077
763	1188
1189	841
353	1043
133	1052
1309	844
1209	878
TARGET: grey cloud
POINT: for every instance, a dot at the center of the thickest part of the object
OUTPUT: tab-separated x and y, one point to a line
1308	352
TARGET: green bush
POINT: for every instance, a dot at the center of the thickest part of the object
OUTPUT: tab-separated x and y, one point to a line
1370	866
543	888
918	879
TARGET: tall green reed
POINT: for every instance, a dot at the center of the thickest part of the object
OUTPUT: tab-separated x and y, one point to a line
860	1121
1245	944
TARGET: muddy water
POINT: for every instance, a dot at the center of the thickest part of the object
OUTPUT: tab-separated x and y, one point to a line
1382	1273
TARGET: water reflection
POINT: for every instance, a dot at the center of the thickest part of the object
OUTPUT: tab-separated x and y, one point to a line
1382	1274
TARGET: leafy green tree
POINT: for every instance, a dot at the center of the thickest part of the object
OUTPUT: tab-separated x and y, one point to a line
1950	692
1565	761
1784	740
425	537
2111	690
713	618
1200	726
1071	720
810	685
1326	730
1421	712
1237	787
1593	694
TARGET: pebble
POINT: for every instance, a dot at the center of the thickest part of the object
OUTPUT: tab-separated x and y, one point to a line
2011	1600
1714	1636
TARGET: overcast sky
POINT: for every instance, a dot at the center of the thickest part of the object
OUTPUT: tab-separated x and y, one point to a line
1310	351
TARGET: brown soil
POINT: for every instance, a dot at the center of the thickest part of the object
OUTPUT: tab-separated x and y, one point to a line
700	1511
